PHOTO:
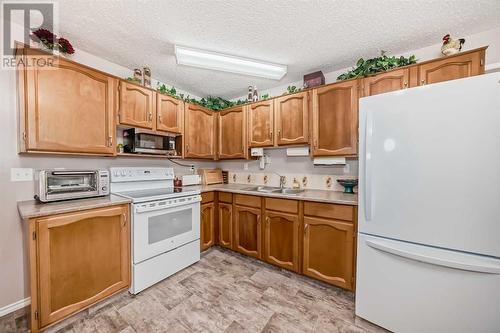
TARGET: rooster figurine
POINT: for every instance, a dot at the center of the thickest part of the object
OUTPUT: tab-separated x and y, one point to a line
451	46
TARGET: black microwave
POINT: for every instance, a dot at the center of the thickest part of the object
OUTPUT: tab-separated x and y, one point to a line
138	141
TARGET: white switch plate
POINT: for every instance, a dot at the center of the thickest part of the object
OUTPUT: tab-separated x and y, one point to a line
21	174
347	168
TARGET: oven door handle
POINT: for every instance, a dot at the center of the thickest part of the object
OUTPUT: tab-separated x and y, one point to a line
147	207
64	173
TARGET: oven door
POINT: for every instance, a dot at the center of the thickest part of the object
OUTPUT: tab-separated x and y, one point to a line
159	230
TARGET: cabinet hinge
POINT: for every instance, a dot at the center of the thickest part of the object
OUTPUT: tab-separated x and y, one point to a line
36	314
34	235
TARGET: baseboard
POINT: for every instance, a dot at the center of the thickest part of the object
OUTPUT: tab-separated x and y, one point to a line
14	306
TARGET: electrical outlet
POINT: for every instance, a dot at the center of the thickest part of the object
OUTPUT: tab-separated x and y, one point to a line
21	174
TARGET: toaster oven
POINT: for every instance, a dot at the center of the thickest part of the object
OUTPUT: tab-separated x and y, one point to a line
62	184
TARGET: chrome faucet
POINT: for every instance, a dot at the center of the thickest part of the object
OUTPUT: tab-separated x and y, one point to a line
282	182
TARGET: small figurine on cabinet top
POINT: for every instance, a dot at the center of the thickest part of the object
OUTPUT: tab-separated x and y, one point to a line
451	46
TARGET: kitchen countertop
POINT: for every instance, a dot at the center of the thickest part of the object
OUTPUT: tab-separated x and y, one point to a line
32	208
307	195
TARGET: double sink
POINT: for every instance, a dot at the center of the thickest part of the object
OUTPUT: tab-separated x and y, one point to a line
270	189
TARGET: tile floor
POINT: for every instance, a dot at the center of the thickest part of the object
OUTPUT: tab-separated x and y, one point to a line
224	292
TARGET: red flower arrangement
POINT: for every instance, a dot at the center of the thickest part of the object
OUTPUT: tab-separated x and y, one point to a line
51	41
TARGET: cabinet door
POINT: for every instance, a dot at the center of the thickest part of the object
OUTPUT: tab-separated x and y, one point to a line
199	132
83	257
335	119
225	225
232	133
261	124
247	231
451	68
169	114
68	108
292	119
207	225
381	83
136	105
281	240
328	253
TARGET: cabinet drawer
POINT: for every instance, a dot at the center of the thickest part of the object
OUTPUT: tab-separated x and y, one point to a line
207	197
247	200
282	205
225	197
329	211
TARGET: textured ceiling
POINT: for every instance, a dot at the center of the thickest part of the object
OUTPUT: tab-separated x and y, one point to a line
305	35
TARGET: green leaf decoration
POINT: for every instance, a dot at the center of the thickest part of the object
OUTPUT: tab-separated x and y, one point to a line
376	65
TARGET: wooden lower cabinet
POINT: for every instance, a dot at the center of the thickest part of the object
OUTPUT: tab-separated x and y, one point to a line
207	227
225	214
328	251
247	230
281	239
77	259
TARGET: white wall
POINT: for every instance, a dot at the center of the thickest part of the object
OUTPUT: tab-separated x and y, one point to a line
14	279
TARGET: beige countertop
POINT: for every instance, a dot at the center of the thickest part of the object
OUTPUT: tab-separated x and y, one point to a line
32	208
307	195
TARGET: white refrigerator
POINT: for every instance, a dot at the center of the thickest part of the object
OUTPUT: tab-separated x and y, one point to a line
428	255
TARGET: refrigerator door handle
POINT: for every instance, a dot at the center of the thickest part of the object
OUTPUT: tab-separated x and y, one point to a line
368	166
476	265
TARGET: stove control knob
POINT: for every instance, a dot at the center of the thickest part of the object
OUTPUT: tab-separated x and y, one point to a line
124	173
104	188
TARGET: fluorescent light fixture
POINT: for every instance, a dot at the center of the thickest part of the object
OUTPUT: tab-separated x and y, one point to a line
228	63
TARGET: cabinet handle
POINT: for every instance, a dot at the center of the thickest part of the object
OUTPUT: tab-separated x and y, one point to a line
124	223
315	143
159	118
187	148
405	84
422	82
110	141
271	134
279	134
150	117
305	228
268	220
258	219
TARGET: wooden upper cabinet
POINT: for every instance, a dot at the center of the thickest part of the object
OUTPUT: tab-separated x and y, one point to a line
65	108
207	230
199	132
247	230
232	133
169	114
281	239
136	105
453	67
335	119
82	258
261	124
328	251
292	119
389	81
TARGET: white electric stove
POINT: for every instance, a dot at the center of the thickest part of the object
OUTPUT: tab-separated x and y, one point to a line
165	223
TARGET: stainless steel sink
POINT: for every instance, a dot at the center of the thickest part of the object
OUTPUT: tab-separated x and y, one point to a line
270	189
265	189
290	191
